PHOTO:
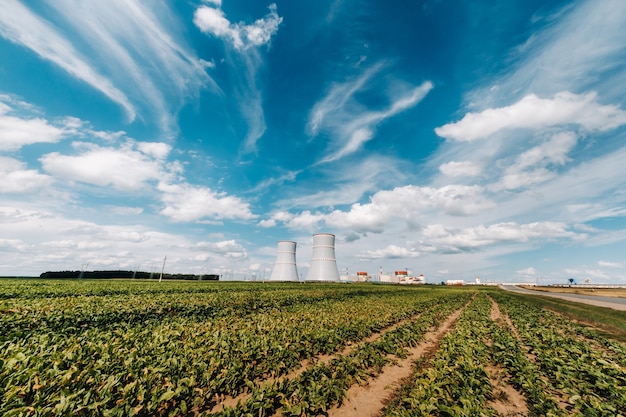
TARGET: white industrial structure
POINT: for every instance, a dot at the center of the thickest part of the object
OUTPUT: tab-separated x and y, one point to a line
323	261
360	276
285	268
401	277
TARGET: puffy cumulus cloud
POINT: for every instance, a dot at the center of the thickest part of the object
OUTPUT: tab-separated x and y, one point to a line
127	168
352	124
213	20
14	178
455	240
227	248
407	203
460	169
43	240
533	112
390	252
17	132
531	167
185	202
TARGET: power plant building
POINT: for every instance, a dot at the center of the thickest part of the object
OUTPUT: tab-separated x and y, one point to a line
323	261
285	268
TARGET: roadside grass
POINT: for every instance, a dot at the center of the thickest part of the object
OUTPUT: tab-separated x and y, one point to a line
612	323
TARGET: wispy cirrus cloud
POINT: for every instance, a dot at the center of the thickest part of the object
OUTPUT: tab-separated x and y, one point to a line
533	166
582	50
244	41
350	123
129	51
21	26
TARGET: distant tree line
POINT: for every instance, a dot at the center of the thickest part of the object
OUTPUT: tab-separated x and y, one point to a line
125	274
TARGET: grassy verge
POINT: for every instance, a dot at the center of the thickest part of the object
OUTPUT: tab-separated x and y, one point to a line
610	322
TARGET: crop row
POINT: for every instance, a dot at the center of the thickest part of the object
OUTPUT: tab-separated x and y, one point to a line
584	368
325	385
455	381
179	364
558	371
21	317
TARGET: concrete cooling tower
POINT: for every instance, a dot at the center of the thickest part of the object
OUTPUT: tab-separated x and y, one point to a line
323	262
285	267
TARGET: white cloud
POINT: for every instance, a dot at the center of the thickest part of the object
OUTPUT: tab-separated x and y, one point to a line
610	264
245	40
158	150
125	211
126	168
531	167
217	3
460	169
134	53
227	248
14	178
242	36
19	25
390	252
527	273
42	240
185	202
17	132
454	240
408	203
583	49
351	124
533	112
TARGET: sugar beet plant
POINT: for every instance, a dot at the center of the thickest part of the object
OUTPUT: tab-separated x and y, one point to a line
175	352
585	369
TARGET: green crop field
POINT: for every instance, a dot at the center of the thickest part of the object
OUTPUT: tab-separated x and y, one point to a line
123	348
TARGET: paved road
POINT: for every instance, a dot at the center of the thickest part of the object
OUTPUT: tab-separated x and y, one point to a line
610	302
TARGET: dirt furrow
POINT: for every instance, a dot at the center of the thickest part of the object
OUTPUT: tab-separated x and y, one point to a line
507	400
369	400
223	402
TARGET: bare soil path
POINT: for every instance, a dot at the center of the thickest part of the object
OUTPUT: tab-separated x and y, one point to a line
507	400
227	401
369	400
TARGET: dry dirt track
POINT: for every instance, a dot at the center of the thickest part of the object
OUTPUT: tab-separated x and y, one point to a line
608	302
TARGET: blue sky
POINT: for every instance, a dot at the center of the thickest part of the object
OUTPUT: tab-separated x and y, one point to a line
451	138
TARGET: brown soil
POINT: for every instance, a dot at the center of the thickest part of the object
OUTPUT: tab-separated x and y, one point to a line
507	400
226	401
558	396
370	399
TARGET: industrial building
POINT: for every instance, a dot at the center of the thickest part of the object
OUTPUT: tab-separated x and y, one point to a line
285	268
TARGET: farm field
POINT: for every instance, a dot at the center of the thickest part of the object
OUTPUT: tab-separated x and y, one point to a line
123	348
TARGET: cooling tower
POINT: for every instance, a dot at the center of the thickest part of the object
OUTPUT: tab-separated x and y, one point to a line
323	262
285	267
